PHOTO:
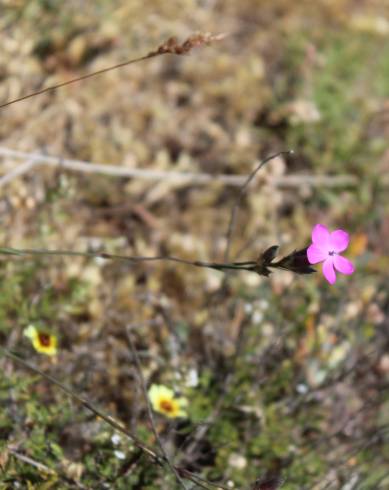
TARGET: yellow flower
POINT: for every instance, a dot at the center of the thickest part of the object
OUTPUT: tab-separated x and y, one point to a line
43	342
163	401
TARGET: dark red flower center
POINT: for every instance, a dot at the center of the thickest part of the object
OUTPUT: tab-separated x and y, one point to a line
44	339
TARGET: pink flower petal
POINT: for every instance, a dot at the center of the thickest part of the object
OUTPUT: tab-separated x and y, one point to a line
320	236
339	240
329	271
343	265
316	254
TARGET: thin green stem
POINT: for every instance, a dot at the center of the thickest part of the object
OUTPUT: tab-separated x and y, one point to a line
133	259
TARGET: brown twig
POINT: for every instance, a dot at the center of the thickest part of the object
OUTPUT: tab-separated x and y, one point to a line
171	46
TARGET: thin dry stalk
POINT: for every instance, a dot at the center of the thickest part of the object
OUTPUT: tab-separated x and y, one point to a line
290	181
150	415
235	208
32	462
43	468
171	46
21	169
121	171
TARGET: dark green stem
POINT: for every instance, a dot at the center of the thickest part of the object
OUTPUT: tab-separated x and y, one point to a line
132	259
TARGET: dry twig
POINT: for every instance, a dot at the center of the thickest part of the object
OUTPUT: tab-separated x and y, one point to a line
294	181
235	208
121	171
32	462
21	169
43	468
171	46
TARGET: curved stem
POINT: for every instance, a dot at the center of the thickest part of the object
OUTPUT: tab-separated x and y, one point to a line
235	209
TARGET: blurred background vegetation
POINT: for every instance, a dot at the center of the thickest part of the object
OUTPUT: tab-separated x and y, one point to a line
288	375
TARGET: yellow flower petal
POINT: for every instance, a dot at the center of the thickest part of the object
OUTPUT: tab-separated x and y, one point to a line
30	331
163	401
42	341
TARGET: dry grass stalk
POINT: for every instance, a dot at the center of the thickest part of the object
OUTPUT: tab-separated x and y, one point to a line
171	46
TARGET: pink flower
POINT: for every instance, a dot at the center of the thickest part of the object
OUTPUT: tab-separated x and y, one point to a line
326	248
